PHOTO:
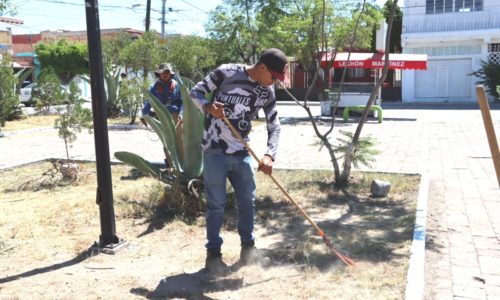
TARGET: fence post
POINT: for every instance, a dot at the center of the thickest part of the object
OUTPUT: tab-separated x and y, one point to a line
490	130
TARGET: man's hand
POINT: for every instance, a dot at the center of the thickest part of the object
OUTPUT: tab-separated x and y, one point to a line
216	109
266	165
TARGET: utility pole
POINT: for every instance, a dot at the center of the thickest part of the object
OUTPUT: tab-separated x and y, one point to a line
108	241
163	19
148	14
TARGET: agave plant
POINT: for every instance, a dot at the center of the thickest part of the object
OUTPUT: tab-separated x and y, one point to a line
184	154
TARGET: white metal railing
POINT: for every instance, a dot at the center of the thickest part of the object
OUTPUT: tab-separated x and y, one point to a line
460	21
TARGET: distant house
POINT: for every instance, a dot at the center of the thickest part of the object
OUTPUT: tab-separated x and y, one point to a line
456	35
6	33
81	36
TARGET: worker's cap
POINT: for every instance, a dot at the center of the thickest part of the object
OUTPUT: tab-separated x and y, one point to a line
276	61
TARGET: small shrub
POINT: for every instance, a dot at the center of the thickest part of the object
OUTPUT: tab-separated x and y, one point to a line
489	75
9	101
48	90
131	96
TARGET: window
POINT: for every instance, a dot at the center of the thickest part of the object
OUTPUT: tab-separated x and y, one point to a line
468	5
494	48
448	6
356	73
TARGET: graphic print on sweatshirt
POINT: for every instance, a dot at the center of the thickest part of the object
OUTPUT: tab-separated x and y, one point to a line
242	99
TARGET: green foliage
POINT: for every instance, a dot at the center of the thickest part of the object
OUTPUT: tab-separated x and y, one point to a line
185	158
141	53
364	152
185	155
397	26
47	91
112	81
247	27
67	59
131	95
72	117
193	56
489	75
345	23
9	100
234	25
7	8
111	48
292	27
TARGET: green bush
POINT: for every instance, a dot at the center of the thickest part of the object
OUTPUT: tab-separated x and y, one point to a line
131	96
47	91
489	75
9	101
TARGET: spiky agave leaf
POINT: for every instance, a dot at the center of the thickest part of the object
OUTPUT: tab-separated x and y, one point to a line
165	129
192	132
139	163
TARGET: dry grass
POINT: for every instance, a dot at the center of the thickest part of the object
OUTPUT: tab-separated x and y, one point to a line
37	121
46	230
30	122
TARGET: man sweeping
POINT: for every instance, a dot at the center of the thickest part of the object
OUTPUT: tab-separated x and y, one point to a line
239	92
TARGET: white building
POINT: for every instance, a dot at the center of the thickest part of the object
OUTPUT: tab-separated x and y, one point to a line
456	35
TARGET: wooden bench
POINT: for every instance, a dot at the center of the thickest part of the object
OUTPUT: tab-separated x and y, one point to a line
361	108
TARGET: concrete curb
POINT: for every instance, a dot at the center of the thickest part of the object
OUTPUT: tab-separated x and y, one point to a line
415	279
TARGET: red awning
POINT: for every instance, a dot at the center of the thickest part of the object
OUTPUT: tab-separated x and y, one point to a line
376	60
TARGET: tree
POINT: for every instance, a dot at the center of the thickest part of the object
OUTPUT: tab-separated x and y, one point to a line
9	100
72	117
65	58
131	95
47	91
489	75
354	148
233	25
191	55
111	48
142	53
397	26
7	8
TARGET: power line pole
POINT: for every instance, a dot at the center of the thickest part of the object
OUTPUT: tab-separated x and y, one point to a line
163	18
148	14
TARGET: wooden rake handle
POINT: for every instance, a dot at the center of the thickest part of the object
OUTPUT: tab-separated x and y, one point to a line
320	232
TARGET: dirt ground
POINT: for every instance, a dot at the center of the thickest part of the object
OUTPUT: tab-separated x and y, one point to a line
46	234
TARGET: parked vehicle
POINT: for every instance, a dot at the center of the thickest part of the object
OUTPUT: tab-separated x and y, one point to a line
27	92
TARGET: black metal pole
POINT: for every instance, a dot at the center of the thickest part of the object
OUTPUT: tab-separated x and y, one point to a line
104	184
148	14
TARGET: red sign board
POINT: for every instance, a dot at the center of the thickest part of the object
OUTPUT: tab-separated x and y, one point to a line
376	60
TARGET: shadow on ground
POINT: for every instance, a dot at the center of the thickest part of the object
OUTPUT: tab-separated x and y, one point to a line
189	286
78	259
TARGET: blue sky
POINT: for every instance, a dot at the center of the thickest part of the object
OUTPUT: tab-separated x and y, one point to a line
186	17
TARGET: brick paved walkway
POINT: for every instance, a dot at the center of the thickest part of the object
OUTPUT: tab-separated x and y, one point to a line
447	142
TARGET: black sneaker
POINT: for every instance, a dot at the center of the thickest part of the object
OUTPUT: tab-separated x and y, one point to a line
249	255
214	264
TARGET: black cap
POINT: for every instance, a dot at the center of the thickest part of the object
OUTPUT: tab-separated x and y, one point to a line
276	61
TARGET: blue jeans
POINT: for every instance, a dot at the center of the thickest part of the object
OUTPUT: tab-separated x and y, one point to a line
240	172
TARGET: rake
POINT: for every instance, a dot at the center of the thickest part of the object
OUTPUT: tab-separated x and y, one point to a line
349	262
